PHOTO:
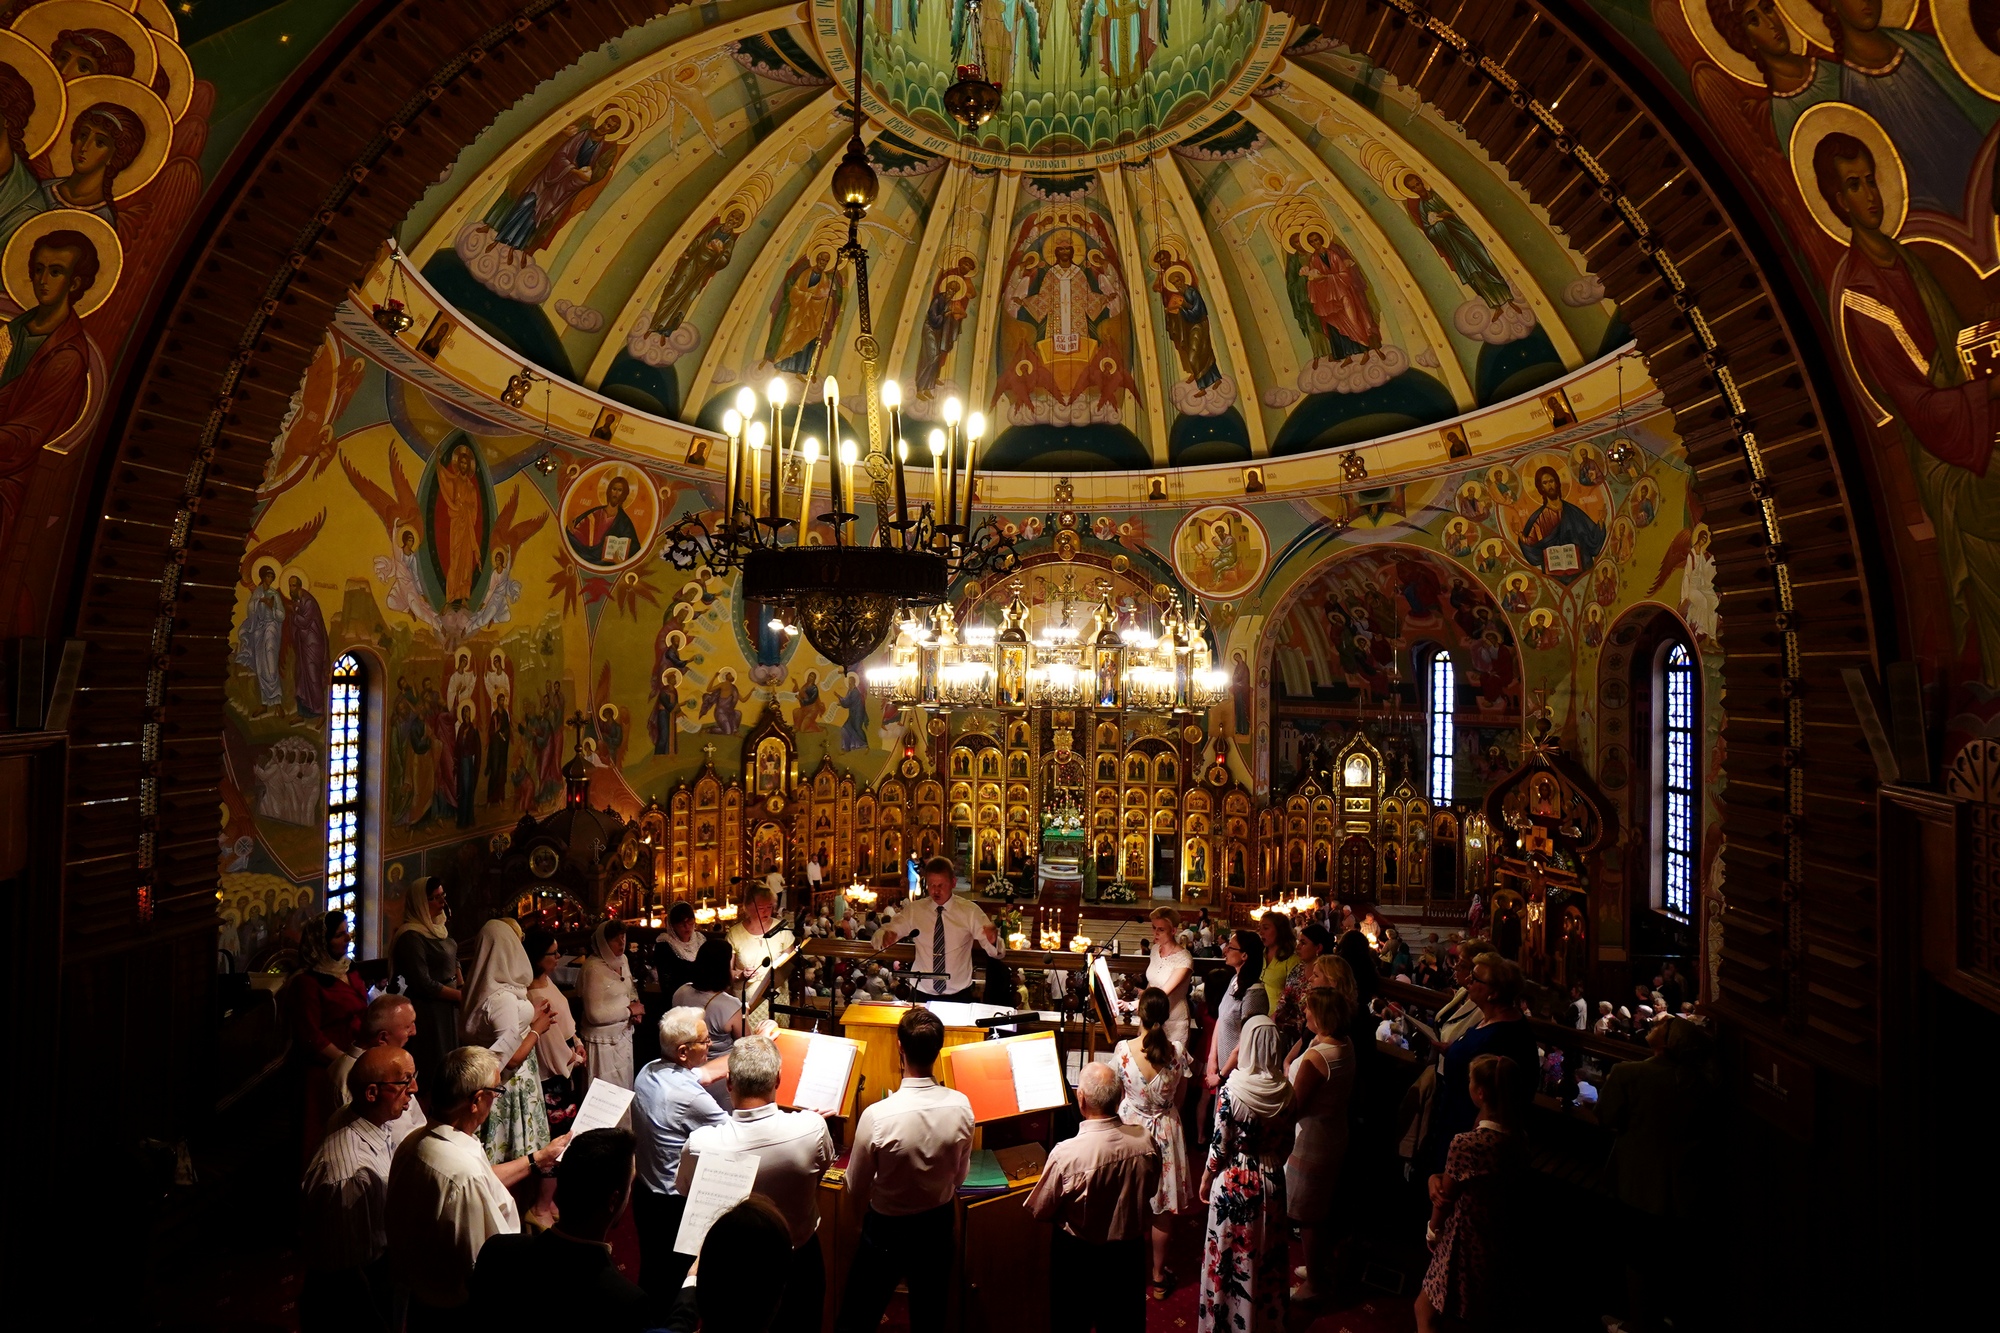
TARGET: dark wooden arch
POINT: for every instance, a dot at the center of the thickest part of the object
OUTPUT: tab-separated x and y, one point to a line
389	108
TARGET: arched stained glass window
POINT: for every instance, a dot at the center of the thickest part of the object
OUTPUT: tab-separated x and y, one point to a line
1677	790
1443	736
343	793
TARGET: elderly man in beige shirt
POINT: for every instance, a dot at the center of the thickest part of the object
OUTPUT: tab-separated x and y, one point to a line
1097	1189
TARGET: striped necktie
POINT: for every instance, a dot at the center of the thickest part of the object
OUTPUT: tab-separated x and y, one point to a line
937	953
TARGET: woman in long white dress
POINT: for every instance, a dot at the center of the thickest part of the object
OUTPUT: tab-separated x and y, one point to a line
1170	968
500	1016
1154	1070
610	1006
1322	1079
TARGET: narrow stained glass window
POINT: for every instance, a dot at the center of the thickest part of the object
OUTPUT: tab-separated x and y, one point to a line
343	793
1441	729
1677	793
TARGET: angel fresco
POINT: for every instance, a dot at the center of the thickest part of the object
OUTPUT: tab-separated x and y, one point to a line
1125	35
304	450
805	311
260	639
952	293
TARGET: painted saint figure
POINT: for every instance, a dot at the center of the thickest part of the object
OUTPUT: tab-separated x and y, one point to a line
1456	243
951	298
1186	320
804	312
604	534
854	730
306	645
724	699
707	255
1556	523
465	751
1901	333
553	188
1331	298
260	642
457	520
45	363
498	738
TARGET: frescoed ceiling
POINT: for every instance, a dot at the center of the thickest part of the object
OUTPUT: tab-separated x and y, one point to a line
1193	233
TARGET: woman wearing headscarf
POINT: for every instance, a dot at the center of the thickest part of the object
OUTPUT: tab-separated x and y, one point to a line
499	1016
325	1005
610	1006
426	957
1244	1267
560	1052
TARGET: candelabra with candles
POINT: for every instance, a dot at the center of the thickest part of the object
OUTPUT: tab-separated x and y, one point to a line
846	594
1062	667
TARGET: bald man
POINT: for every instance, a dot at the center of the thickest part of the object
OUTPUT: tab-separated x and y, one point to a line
1097	1189
389	1021
343	1230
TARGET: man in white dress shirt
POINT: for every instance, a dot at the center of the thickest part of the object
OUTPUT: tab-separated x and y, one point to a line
947	929
346	1190
793	1151
445	1200
911	1150
388	1023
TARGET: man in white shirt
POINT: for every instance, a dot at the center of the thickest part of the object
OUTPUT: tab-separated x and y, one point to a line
947	928
911	1150
793	1151
445	1201
388	1023
346	1189
761	948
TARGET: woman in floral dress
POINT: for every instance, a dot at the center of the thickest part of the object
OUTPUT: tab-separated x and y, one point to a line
500	1016
1155	1071
1468	1277
1244	1266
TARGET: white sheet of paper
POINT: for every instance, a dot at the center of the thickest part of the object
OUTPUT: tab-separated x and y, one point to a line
954	1014
721	1181
823	1076
603	1107
1038	1080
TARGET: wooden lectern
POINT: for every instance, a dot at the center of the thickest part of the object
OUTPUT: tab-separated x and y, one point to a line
873	1025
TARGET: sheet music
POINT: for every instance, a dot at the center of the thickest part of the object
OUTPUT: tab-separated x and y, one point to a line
823	1076
721	1181
954	1014
1038	1080
603	1107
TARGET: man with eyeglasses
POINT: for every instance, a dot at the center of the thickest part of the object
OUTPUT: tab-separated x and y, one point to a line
446	1201
342	1231
389	1021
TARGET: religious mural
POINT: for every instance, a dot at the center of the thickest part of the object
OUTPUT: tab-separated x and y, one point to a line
1865	133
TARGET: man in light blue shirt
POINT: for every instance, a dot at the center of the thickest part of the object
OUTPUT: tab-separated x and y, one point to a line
668	1104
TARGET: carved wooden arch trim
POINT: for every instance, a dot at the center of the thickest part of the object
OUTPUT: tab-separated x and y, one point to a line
339	172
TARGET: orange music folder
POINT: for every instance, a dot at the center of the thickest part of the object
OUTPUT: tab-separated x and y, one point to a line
1008	1077
817	1072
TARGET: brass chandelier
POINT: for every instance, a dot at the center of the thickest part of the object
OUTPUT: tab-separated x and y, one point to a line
847	596
1064	667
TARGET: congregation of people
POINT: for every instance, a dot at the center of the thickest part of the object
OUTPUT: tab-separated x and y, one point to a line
444	1190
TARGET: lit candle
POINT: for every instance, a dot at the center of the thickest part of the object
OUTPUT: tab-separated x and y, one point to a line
892	398
975	426
754	434
902	498
844	469
732	425
938	516
949	507
811	451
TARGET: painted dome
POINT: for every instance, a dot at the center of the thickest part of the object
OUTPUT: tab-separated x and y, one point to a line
1191	234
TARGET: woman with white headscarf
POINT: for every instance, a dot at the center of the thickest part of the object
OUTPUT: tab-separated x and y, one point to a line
1245	1268
610	1006
426	957
500	1016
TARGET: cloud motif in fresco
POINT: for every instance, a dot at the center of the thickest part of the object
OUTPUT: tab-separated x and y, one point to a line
1481	323
580	317
1355	374
1281	396
661	349
1190	399
1586	290
500	268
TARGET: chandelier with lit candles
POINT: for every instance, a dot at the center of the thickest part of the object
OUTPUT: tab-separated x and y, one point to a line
847	595
1101	666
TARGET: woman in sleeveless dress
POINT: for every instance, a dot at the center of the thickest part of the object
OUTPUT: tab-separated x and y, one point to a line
1322	1078
610	1006
1155	1071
